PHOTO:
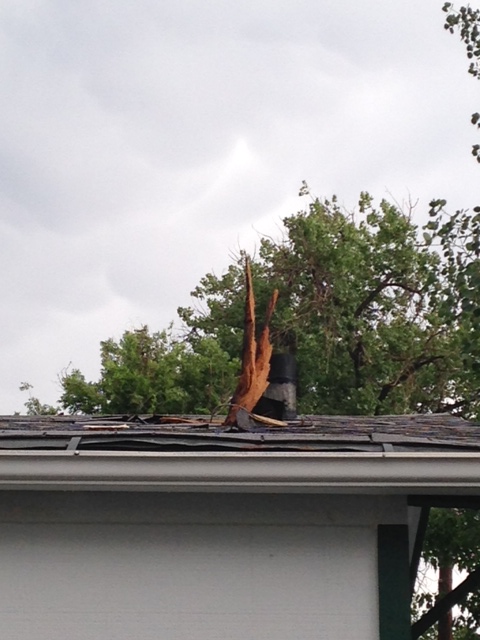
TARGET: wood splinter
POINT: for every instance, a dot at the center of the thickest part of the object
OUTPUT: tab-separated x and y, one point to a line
253	378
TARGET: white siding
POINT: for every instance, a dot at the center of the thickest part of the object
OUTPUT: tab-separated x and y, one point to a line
263	574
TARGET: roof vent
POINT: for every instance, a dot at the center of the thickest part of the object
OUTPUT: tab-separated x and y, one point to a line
280	398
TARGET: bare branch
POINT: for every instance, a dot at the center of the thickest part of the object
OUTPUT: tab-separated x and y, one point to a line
408	371
383	284
451	406
440	608
357	354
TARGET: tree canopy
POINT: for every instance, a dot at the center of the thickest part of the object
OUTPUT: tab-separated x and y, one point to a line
381	315
153	373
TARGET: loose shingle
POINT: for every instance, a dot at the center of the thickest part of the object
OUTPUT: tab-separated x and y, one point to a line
430	432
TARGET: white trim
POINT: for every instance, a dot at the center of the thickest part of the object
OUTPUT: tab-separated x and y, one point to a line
388	472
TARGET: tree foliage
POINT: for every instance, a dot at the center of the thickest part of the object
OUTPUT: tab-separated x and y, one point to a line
153	373
33	405
383	318
466	21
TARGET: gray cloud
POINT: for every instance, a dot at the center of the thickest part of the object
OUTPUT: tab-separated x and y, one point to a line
141	143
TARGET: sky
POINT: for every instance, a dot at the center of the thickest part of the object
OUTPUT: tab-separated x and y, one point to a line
144	143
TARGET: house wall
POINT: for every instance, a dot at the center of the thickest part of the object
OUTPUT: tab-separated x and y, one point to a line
191	566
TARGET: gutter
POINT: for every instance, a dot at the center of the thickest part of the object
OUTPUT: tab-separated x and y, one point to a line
303	472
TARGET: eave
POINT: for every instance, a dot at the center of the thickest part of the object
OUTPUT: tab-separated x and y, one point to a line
370	473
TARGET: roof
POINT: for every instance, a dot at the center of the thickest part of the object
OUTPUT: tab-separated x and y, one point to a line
155	433
421	455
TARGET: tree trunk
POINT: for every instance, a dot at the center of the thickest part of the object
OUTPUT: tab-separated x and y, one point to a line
445	585
253	378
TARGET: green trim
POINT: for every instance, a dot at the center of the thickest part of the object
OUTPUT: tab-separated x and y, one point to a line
393	582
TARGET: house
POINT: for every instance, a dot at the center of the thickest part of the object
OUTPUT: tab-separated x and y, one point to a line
155	527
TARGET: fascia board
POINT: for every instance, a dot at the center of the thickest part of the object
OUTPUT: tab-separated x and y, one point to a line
242	472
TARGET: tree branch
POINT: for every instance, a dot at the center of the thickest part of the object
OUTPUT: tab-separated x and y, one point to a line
383	284
451	406
357	354
405	375
440	608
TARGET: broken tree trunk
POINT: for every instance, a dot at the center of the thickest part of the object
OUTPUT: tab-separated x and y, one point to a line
253	378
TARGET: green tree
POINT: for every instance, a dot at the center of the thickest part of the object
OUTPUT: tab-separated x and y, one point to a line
153	373
33	405
382	317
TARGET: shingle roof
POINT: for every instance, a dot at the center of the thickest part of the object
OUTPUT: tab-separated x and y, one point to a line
432	432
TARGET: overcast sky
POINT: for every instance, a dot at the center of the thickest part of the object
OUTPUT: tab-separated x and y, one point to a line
142	142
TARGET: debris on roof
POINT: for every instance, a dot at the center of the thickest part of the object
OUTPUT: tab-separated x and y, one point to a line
409	433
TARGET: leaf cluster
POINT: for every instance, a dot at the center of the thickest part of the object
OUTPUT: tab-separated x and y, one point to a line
467	22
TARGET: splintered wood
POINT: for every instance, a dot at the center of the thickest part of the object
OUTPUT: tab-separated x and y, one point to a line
253	378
